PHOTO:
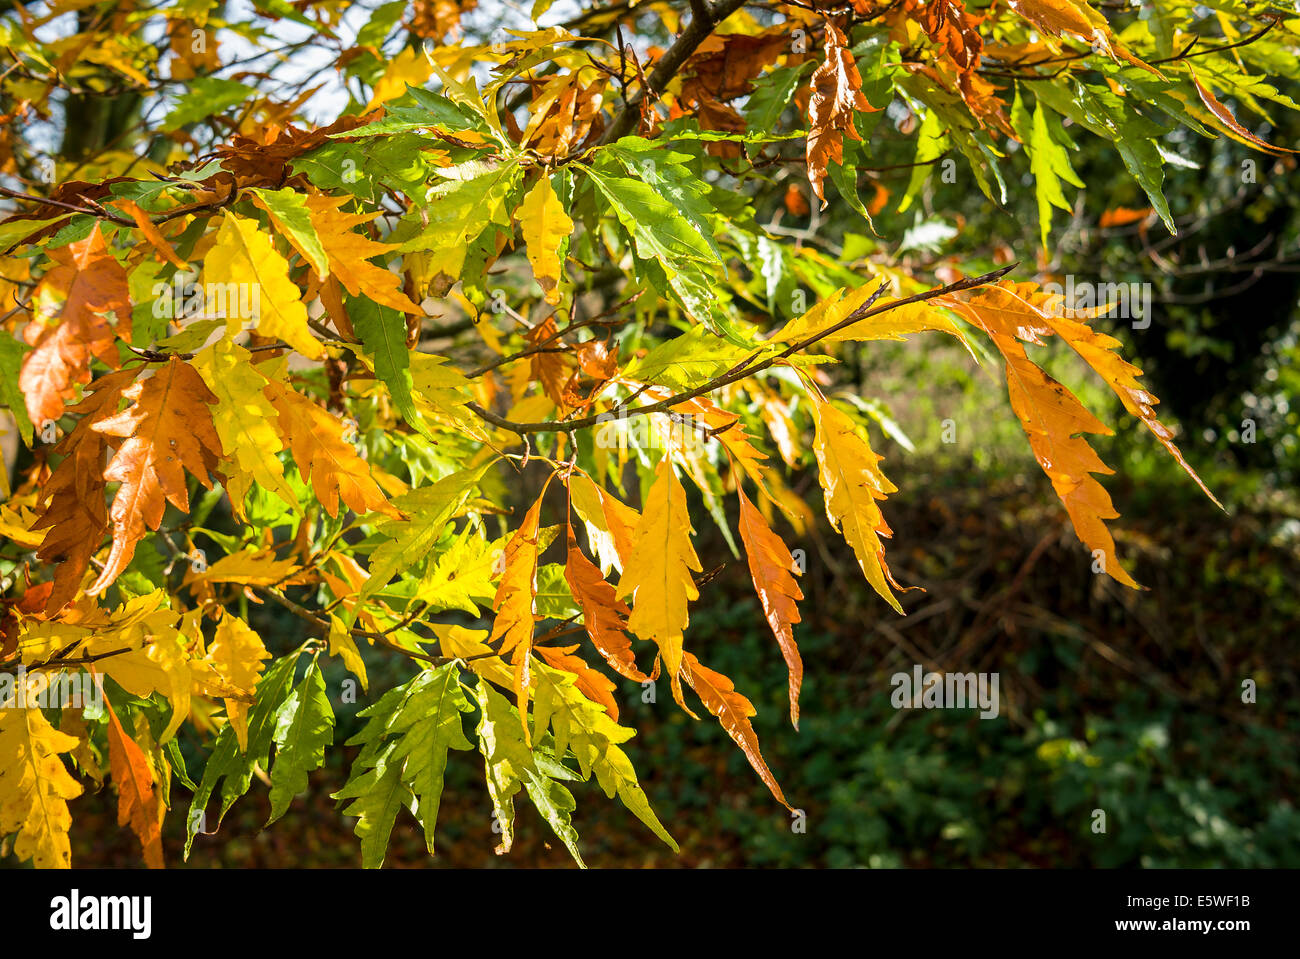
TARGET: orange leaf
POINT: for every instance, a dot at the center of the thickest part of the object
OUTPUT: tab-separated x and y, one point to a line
594	685
350	254
514	602
1053	419
136	802
75	511
1122	216
603	615
772	568
71	326
168	430
547	367
733	711
335	469
152	233
1224	116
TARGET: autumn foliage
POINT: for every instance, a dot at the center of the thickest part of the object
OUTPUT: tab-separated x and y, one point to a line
455	373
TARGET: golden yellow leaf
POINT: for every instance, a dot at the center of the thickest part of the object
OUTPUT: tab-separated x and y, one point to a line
35	786
345	647
316	440
657	578
851	477
239	656
244	254
350	253
245	422
545	226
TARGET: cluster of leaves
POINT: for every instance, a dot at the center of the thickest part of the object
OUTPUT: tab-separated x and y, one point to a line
536	263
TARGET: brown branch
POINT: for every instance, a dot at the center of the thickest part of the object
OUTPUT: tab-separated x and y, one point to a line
705	16
745	368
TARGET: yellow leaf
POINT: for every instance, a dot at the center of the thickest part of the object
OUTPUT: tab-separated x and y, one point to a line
248	567
851	477
408	68
461	642
244	254
344	646
238	654
35	786
657	578
245	422
545	226
892	325
147	655
611	524
16	523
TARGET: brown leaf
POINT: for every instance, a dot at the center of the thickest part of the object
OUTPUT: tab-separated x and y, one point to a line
951	28
75	511
836	93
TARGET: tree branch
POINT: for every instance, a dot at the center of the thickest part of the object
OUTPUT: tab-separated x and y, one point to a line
745	368
705	16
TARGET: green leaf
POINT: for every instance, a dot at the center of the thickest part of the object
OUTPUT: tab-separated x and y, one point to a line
686	361
12	351
666	172
467	201
304	727
205	97
1049	163
404	755
383	334
771	93
585	729
288	209
376	794
430	508
429	724
1107	115
659	231
380	24
227	765
931	142
510	765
